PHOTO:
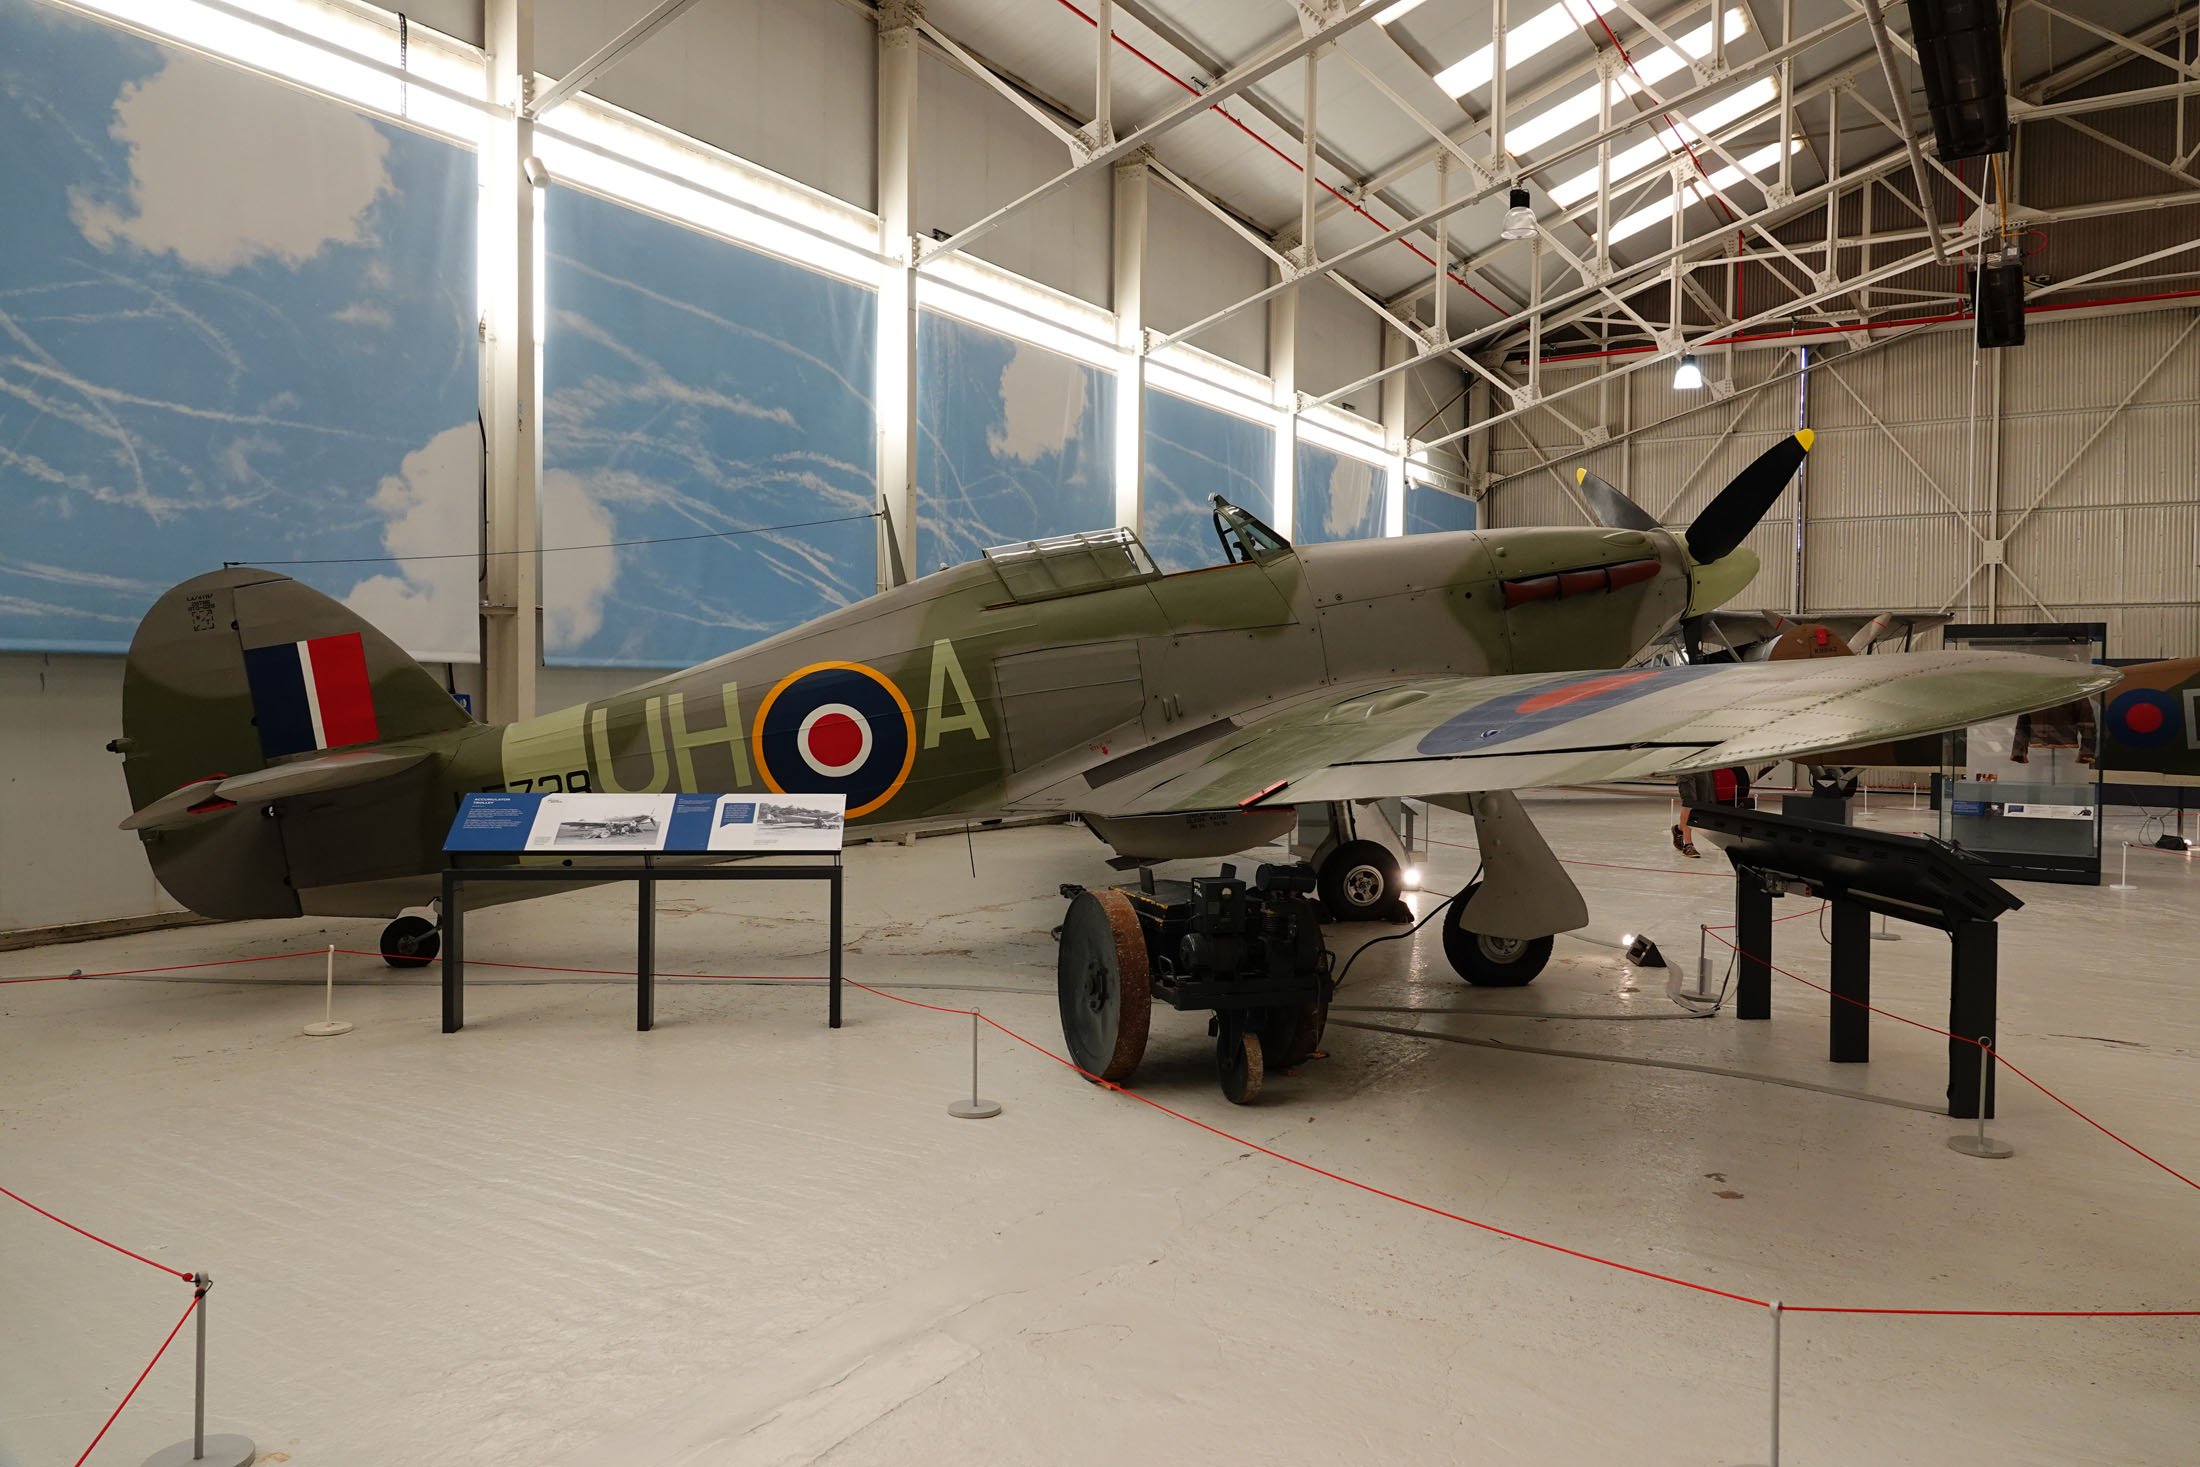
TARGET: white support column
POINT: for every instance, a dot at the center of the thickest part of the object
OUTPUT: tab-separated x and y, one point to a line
1131	179
1103	89
897	297
1283	370
511	370
1396	348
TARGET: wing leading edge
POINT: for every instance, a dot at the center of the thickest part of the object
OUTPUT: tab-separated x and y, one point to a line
1473	734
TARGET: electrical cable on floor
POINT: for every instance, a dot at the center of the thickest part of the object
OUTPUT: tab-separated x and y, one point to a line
1336	987
1628	1059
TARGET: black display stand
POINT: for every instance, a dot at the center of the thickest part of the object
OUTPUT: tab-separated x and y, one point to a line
645	878
1860	872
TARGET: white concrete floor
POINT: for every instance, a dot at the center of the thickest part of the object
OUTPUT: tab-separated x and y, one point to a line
745	1239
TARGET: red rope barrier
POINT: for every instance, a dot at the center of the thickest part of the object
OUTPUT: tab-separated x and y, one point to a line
148	1370
171	968
1373	1190
72	1227
1988	1048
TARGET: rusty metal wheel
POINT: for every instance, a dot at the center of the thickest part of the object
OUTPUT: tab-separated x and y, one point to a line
1289	1037
1238	1064
1102	981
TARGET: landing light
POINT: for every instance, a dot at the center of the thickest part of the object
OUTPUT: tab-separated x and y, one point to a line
1688	376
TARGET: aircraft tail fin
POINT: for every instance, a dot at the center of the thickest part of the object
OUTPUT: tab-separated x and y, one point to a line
235	671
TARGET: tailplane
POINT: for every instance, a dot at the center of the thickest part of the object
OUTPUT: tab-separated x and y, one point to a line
242	671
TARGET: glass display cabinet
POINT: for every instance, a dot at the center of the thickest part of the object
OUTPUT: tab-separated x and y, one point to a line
2023	794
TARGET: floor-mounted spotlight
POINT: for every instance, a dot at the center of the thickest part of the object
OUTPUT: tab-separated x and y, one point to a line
1687	377
1519	217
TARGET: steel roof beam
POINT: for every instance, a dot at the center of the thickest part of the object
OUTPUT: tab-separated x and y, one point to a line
609	55
1269	62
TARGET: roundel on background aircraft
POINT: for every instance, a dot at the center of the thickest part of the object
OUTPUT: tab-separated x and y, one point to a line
2144	718
836	728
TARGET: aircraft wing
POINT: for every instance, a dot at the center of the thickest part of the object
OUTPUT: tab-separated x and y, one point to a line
1464	735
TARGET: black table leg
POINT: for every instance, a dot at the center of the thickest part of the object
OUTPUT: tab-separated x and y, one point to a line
832	1016
1971	1015
645	953
1753	935
1849	1040
454	956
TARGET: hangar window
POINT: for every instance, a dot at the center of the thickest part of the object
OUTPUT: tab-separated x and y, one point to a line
1068	565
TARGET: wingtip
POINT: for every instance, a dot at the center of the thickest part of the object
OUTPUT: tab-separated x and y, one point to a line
1805	437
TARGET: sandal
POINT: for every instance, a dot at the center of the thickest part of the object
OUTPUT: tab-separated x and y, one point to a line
1684	845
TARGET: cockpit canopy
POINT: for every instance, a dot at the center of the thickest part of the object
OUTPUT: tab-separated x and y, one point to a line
1094	560
1070	565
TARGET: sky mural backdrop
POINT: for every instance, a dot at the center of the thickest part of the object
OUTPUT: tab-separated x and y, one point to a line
694	387
1193	451
202	359
1338	498
1430	509
1014	442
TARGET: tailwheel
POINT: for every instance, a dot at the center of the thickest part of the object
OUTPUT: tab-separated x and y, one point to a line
1487	961
1360	881
411	942
1289	1037
1103	984
1238	1063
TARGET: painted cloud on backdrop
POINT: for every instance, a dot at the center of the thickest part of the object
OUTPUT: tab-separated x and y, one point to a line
1351	497
574	587
428	604
225	170
1042	402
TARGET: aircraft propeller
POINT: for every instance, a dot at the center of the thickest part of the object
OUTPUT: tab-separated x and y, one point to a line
1727	520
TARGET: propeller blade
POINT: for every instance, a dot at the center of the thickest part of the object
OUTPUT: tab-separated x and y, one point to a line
1610	508
1727	520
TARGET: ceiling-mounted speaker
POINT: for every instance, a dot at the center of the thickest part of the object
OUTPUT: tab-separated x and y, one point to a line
2001	302
1959	52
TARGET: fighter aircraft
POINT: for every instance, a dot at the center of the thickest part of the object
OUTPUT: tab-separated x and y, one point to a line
285	757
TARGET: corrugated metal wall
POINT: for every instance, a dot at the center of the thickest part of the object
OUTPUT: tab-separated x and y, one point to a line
2098	507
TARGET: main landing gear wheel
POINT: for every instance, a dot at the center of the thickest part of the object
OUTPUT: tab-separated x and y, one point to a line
1238	1064
1491	962
1102	981
1360	881
411	942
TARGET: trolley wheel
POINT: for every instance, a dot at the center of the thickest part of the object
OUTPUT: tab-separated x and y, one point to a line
1238	1064
411	942
1359	880
1289	1037
1491	962
1102	981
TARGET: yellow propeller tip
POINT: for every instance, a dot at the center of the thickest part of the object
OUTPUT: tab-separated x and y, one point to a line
1805	437
1580	475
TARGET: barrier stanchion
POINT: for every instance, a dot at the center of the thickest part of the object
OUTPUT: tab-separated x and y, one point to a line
1772	1458
1982	1145
328	1025
1883	935
2123	882
226	1450
974	1109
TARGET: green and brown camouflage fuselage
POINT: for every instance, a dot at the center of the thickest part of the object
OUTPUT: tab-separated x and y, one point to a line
975	702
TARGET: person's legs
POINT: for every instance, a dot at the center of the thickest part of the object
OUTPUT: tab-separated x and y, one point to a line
1683	837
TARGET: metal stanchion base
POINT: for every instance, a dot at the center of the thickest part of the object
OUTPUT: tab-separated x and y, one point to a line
974	1110
221	1451
328	1028
2123	886
1981	1146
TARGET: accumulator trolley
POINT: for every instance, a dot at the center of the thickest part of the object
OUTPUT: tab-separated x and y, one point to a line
1249	952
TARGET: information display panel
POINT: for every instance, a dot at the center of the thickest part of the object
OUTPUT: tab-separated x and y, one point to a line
590	824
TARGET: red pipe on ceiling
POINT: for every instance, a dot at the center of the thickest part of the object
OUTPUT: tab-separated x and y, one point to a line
2120	300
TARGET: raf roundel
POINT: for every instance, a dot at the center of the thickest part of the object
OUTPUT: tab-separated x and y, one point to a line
2144	718
836	728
